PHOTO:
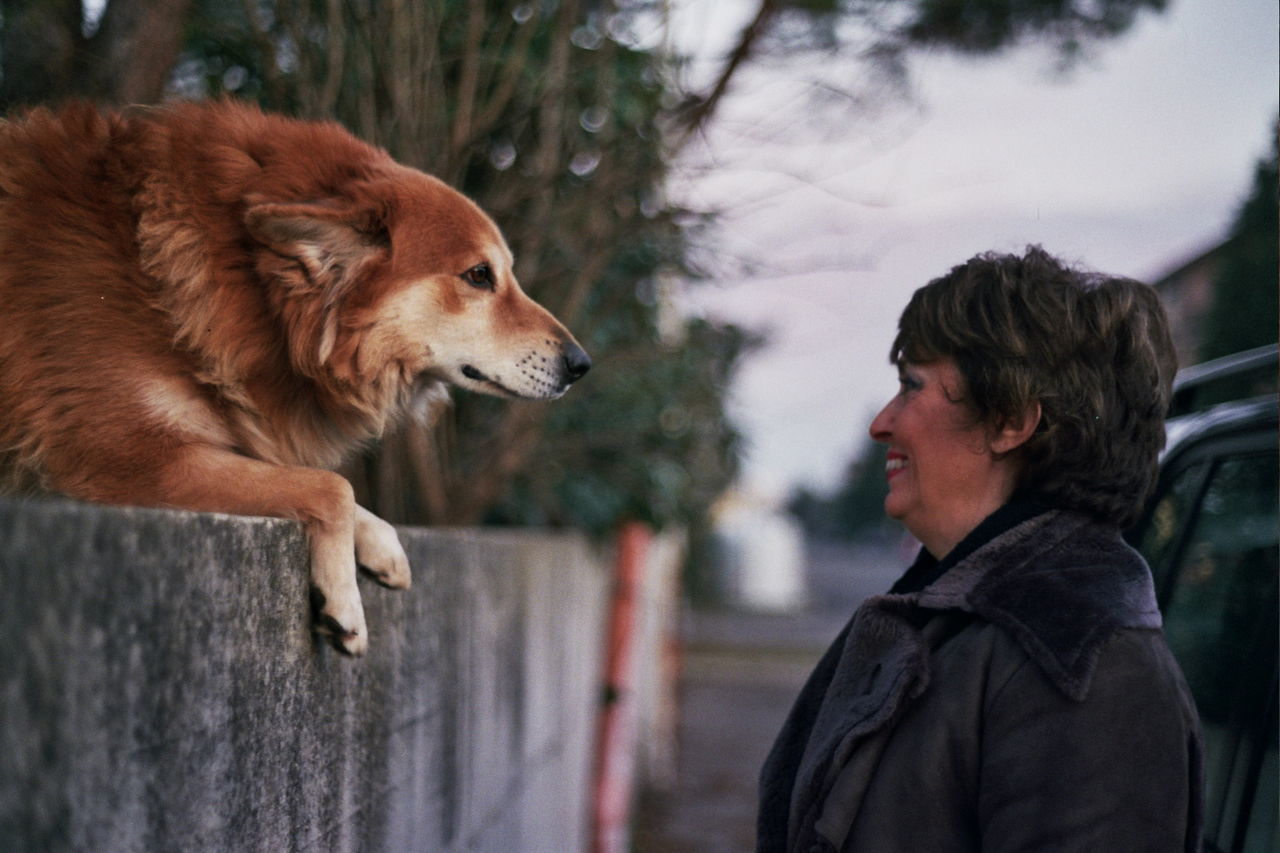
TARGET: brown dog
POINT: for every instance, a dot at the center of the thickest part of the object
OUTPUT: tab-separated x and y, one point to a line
207	307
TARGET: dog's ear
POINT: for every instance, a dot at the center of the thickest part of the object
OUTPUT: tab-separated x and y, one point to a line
332	243
315	252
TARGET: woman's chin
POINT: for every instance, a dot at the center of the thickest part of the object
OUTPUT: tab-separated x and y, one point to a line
895	507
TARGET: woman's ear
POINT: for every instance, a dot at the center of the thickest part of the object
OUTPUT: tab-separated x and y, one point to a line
1013	434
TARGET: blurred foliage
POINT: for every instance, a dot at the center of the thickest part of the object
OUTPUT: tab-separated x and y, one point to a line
1245	296
661	432
984	26
884	34
121	51
855	509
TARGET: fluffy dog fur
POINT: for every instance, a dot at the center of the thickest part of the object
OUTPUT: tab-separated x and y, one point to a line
207	307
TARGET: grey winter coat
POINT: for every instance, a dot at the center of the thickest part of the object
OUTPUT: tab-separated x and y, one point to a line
1025	701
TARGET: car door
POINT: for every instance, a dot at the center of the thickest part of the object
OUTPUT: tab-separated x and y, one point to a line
1211	539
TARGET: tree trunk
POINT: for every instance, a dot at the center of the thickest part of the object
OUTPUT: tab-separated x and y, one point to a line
39	46
130	58
46	57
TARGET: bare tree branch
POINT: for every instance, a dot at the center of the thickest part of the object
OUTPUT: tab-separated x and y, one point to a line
468	77
505	89
327	94
696	115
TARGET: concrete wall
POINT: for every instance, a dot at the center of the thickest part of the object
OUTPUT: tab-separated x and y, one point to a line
657	663
160	689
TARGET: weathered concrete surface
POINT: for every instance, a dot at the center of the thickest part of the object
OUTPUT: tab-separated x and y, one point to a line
160	689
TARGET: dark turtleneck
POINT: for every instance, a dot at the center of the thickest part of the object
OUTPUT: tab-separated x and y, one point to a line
926	569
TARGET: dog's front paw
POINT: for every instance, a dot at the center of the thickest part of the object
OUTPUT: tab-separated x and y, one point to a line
342	622
378	551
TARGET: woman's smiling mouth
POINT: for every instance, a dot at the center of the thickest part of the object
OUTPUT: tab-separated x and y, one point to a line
894	464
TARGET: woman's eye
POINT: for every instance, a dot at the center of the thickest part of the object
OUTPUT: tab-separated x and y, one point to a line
479	276
908	383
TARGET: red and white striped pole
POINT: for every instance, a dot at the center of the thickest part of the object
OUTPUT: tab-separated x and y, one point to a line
617	744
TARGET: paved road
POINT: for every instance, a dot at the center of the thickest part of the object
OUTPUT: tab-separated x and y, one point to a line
741	673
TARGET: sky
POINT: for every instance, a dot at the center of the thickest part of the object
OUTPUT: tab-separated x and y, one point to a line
833	213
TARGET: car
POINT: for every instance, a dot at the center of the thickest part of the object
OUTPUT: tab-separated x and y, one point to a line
1210	536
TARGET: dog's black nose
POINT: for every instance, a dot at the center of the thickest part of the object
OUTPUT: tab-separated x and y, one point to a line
576	362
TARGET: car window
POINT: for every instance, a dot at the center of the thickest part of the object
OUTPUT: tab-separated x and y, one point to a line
1168	520
1220	622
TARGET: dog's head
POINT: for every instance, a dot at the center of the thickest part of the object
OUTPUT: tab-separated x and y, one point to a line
403	276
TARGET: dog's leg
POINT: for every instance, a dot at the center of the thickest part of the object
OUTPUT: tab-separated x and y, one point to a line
221	481
378	550
209	479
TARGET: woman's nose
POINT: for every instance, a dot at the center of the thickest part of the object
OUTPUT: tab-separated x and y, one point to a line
881	428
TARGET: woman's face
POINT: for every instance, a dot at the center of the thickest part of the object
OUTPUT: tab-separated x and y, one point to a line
944	475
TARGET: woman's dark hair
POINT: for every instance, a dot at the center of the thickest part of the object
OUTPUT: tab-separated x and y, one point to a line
1093	350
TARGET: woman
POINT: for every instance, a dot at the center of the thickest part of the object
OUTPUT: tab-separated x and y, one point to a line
1012	691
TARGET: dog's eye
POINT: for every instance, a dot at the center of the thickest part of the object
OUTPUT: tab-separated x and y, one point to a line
479	276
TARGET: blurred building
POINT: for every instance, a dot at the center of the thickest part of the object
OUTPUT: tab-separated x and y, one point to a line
758	557
1186	292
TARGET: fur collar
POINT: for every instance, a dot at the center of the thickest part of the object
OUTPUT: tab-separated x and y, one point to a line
1061	584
